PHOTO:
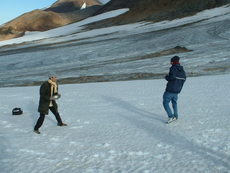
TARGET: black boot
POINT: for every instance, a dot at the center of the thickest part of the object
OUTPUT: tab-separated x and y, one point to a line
62	124
37	131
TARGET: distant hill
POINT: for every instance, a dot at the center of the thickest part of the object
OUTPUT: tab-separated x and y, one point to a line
60	13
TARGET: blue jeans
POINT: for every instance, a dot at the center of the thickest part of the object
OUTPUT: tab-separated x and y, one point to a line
167	98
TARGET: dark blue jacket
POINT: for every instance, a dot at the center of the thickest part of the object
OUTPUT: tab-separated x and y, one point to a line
175	78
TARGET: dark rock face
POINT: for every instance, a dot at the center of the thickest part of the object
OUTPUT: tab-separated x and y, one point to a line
63	6
157	10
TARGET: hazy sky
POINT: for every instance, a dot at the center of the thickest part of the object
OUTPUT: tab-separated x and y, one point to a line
10	9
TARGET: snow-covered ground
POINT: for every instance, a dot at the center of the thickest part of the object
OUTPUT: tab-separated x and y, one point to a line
119	127
72	51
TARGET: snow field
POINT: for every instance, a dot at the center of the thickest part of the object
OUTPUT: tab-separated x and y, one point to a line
119	127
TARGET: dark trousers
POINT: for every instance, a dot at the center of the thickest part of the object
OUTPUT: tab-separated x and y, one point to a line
42	118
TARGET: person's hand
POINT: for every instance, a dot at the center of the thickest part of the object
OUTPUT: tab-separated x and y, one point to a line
55	97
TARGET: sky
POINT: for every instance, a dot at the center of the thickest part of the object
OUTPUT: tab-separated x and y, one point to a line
11	9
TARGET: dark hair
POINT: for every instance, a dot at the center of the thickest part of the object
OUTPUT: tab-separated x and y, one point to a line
175	59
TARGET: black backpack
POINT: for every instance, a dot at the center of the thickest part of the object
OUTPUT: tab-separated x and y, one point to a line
17	111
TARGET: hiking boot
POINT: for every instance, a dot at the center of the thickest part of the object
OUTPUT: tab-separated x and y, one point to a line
37	131
62	124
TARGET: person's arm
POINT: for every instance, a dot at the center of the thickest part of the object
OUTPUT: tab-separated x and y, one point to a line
171	75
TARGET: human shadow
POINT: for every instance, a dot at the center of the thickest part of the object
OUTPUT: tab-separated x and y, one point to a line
32	109
4	155
133	109
141	119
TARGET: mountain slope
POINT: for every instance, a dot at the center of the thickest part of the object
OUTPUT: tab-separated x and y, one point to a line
156	10
126	52
65	12
61	13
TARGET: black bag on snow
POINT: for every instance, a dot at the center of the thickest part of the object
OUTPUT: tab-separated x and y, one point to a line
17	111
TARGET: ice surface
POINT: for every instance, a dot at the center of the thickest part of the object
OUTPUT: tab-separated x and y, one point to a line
119	127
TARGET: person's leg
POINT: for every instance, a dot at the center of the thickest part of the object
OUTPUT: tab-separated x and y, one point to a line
166	101
39	122
174	105
57	115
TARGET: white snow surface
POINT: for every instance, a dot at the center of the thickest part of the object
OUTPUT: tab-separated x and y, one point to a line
119	127
104	1
83	6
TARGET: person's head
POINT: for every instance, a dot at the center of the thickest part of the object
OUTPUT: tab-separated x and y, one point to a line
52	77
175	60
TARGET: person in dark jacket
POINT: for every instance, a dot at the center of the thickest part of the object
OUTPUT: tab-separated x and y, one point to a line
176	79
48	93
